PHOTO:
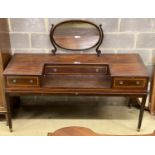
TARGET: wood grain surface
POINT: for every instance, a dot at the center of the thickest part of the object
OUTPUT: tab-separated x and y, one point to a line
83	131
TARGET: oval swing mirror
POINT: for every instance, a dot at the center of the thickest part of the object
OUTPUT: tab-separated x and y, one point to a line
75	35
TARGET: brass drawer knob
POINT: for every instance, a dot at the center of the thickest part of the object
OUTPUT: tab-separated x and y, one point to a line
121	82
14	81
97	70
76	93
55	70
31	81
137	82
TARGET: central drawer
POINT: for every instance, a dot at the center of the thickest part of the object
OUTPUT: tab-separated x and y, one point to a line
75	69
22	81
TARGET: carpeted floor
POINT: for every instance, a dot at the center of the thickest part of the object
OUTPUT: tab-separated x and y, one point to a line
111	119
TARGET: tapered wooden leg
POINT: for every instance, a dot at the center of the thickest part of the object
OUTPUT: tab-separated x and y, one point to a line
9	119
130	103
142	107
6	117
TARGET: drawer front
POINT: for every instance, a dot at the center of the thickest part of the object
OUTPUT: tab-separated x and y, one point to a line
75	69
22	81
130	83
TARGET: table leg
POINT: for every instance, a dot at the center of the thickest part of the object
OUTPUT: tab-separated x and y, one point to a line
9	119
6	117
142	107
130	102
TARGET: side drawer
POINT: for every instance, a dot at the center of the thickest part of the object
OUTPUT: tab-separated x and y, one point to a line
22	81
129	82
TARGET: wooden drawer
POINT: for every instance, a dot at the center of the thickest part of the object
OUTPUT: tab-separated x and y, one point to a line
22	81
75	69
129	82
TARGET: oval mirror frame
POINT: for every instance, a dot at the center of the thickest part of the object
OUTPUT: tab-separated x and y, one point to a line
76	35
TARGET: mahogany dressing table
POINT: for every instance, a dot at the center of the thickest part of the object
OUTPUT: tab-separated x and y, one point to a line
77	74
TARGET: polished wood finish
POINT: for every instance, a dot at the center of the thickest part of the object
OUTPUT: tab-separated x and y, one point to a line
75	69
82	131
22	81
76	35
152	106
68	73
4	59
129	82
77	82
119	64
77	74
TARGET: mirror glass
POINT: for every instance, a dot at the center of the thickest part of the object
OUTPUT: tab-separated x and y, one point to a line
76	35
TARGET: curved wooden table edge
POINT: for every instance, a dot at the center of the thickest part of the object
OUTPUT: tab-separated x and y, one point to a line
83	131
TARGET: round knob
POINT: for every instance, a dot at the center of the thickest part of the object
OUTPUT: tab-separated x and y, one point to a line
121	82
76	93
97	70
14	81
55	70
137	82
31	81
